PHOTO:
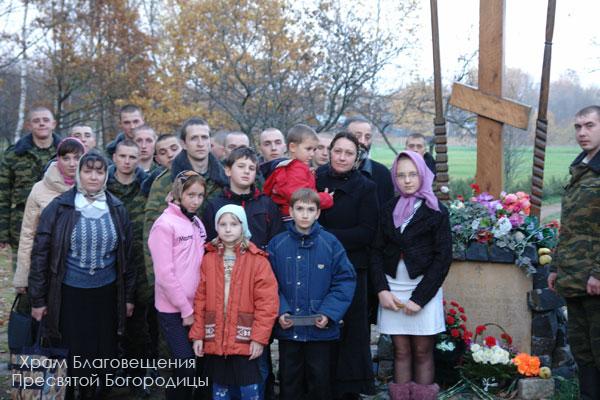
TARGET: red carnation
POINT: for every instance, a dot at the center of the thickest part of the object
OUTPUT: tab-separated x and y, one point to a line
463	327
454	333
450	320
461	309
459	197
454	303
463	317
490	341
468	335
506	338
479	330
452	311
476	188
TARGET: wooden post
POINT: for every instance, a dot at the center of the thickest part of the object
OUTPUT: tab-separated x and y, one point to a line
439	131
490	147
541	128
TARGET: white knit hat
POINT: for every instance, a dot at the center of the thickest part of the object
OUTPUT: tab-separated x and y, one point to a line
239	213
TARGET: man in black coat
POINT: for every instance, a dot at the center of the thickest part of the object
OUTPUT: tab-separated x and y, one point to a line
375	171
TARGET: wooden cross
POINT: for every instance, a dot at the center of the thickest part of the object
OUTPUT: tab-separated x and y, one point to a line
492	110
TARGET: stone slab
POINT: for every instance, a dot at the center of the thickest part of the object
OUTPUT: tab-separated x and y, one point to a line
492	292
536	388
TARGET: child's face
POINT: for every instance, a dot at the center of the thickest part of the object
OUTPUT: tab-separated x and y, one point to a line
304	215
407	176
241	174
304	151
229	229
192	197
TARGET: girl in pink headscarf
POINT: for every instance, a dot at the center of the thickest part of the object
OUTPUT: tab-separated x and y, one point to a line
410	259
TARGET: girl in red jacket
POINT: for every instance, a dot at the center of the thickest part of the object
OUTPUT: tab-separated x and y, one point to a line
235	307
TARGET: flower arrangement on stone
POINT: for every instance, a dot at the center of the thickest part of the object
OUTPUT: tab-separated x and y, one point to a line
491	366
504	222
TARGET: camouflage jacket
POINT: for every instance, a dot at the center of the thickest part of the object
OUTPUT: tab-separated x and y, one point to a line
21	167
160	188
134	200
578	252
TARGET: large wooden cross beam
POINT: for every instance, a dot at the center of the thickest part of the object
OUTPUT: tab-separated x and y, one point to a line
487	102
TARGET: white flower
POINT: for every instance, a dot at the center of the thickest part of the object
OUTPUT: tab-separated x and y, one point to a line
502	227
445	346
444	189
475	224
475	347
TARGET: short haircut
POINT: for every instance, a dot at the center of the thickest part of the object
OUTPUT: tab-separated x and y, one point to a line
38	109
358	118
241	152
129	109
236	133
268	130
190	122
299	133
417	136
326	135
219	137
589	110
82	126
305	196
345	135
164	136
144	127
90	159
126	143
70	145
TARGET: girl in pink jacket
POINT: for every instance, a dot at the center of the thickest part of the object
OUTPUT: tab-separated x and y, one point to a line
176	244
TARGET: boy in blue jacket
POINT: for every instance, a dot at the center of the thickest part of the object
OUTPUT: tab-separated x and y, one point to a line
316	285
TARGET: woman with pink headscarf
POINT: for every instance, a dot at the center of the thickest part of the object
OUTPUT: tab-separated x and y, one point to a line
410	260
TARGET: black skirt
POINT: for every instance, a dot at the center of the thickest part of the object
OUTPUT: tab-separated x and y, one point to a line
88	325
232	370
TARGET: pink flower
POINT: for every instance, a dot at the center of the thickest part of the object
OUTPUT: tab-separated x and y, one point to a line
516	220
510	198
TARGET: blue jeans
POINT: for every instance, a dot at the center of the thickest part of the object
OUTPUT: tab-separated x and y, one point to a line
226	392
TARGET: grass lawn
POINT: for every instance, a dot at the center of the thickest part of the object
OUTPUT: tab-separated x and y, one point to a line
462	160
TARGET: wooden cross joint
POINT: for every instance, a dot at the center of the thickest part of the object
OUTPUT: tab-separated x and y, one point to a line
493	107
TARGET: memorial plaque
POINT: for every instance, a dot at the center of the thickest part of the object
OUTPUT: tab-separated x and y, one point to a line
492	292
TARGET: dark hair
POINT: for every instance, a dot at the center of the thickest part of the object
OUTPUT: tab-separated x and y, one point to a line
241	152
417	136
589	110
126	143
164	136
128	109
189	122
90	159
299	133
70	145
345	135
305	196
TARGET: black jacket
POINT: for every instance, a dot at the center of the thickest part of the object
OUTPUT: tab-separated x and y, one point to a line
49	254
354	217
380	174
425	246
264	219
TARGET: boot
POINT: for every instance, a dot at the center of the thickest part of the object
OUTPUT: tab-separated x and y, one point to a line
589	383
399	391
424	392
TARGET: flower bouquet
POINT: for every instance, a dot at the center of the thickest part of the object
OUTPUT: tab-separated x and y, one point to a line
504	223
451	345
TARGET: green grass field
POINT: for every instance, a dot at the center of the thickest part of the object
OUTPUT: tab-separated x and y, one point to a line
462	160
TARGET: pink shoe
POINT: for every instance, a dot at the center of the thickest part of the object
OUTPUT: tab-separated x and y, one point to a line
399	391
424	392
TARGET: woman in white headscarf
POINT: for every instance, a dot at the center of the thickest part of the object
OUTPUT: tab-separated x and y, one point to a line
80	278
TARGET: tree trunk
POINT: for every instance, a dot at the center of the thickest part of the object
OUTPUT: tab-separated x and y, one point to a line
23	68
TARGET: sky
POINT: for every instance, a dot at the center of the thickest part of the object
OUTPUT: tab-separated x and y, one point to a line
575	32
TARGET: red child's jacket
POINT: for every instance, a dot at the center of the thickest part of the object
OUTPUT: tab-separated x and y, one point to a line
289	176
252	305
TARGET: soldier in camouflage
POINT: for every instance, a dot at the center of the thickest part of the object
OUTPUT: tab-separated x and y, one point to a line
22	165
125	181
576	274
